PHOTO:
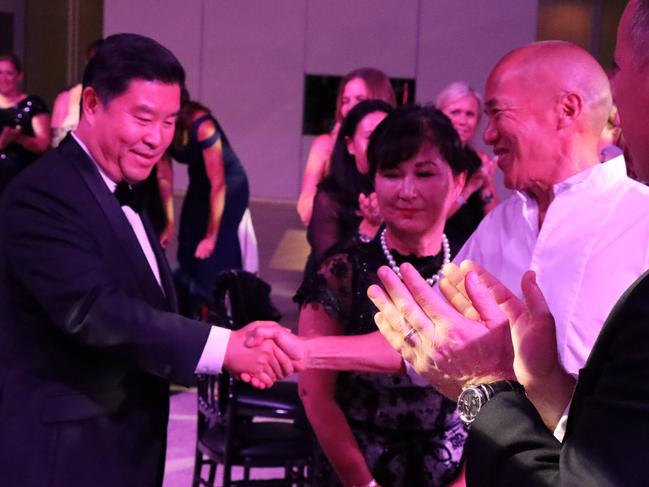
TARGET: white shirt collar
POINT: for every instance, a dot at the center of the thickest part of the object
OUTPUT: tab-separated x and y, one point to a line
606	172
109	182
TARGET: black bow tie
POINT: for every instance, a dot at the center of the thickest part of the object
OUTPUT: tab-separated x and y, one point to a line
127	196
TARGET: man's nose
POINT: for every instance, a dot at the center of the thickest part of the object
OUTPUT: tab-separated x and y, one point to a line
153	136
490	134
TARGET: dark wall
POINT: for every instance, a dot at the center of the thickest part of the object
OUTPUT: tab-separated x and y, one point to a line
56	35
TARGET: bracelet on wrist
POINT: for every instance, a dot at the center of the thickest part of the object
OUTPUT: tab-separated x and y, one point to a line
487	198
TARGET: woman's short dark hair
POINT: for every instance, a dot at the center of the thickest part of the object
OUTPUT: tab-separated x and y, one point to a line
343	179
405	131
13	59
125	57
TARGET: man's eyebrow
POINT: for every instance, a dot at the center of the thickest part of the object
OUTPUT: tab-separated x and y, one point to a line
143	108
147	109
427	162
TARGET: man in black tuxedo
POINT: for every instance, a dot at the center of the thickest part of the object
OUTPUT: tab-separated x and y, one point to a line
89	334
482	344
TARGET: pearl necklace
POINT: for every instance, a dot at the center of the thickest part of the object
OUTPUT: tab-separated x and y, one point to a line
393	263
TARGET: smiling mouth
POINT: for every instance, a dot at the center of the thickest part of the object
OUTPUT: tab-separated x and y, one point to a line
146	156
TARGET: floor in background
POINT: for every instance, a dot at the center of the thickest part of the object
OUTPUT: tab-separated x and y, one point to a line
282	253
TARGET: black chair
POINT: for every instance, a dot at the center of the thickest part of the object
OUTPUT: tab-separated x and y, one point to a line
229	432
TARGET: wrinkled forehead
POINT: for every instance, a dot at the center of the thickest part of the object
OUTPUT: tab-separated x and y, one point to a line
502	81
520	74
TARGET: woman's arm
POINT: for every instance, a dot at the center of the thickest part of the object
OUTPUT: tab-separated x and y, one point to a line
316	168
362	353
215	168
317	389
472	184
324	229
488	193
41	140
165	176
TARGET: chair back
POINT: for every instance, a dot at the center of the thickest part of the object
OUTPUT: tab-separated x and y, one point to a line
241	297
229	406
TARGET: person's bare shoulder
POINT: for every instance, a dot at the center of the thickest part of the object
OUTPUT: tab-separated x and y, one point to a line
322	145
206	128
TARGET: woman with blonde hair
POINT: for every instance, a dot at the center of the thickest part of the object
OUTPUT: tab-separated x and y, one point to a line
463	106
358	85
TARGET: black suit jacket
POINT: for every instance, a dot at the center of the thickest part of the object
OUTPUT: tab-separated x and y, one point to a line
607	436
88	339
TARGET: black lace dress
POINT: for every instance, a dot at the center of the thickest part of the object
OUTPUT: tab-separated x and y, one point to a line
409	435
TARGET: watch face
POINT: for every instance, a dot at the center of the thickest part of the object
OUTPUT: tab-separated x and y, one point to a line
469	403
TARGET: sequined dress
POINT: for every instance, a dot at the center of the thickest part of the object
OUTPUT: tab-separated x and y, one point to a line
15	157
409	435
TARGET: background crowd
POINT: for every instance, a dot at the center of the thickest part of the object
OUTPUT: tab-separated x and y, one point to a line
403	187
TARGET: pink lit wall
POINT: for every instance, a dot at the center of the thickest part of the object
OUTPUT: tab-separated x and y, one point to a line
246	59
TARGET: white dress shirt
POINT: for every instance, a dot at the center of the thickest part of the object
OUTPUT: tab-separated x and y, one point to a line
593	244
211	361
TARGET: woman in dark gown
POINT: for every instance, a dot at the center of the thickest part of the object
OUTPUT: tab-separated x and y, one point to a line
24	122
216	198
382	429
337	217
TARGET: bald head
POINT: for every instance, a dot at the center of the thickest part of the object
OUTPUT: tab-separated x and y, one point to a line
547	104
550	69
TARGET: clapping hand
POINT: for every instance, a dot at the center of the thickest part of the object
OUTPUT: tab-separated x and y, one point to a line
448	348
473	291
257	359
8	135
369	208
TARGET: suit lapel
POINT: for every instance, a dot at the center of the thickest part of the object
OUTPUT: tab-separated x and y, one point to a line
119	223
589	373
166	278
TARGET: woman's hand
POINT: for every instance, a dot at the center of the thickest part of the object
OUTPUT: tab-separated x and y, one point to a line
369	208
205	247
475	183
8	136
166	235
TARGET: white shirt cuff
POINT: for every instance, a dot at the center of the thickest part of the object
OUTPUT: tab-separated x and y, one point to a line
560	430
211	361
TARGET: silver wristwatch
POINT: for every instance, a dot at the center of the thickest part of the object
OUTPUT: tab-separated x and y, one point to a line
473	398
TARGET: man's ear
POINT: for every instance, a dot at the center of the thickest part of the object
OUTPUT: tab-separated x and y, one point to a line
570	107
90	102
